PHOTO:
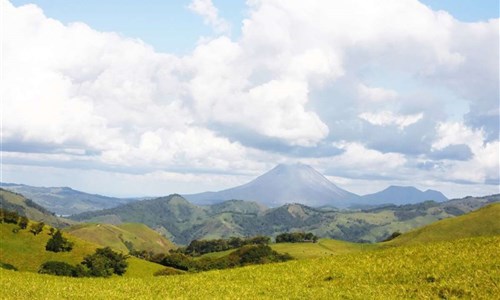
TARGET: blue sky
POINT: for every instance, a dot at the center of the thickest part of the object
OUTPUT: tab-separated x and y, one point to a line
132	98
171	27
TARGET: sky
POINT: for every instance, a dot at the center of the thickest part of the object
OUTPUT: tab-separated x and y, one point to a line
146	98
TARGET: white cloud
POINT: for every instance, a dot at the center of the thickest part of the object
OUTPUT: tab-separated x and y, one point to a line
376	94
388	118
210	14
301	74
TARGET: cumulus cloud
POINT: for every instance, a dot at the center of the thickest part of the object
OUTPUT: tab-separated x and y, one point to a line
387	118
210	14
372	85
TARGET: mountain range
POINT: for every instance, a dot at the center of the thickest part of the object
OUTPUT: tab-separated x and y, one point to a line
181	221
286	183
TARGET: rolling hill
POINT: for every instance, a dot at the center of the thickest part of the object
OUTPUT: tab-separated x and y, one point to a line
181	221
26	252
466	268
25	207
482	222
295	183
64	200
124	237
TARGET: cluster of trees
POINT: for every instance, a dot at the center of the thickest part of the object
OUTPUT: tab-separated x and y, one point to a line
103	263
245	255
12	217
296	237
200	247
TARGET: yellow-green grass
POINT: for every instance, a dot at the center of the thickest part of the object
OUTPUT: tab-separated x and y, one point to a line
26	251
482	222
141	236
468	268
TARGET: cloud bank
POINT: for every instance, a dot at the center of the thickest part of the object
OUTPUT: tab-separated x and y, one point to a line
388	90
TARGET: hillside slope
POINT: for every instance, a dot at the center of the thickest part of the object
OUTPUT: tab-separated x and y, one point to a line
123	237
25	207
64	200
27	252
482	222
182	222
465	268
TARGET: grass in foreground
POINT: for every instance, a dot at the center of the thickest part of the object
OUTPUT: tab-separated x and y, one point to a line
468	268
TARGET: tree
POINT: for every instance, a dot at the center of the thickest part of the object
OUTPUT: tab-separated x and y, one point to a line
36	228
23	222
104	262
58	268
57	243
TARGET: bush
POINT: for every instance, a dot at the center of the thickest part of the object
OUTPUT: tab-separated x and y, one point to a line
105	262
57	243
23	222
58	268
7	266
168	272
36	228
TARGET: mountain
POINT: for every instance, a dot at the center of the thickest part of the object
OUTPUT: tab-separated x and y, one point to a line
25	207
295	183
65	201
124	237
401	195
181	221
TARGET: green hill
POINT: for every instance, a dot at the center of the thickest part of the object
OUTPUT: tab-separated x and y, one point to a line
466	268
182	222
27	252
25	207
123	237
482	222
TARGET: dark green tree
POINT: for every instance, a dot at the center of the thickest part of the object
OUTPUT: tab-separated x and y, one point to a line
104	262
57	243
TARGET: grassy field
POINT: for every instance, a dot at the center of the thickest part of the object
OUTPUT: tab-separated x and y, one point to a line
139	235
324	247
27	252
467	268
482	222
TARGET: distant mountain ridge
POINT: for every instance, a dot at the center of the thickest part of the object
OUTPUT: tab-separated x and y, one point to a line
64	200
292	183
400	195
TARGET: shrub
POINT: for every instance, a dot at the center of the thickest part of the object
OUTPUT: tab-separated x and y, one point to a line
57	243
23	222
104	262
7	266
168	272
58	268
36	228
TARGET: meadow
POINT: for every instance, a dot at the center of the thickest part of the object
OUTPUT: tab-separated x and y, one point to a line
468	268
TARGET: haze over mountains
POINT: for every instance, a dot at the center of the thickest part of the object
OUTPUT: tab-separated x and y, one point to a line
295	183
286	183
300	183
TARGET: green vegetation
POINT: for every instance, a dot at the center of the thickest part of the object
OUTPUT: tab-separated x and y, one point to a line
125	237
25	207
200	247
60	268
57	243
482	222
26	252
105	262
466	268
183	222
296	237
